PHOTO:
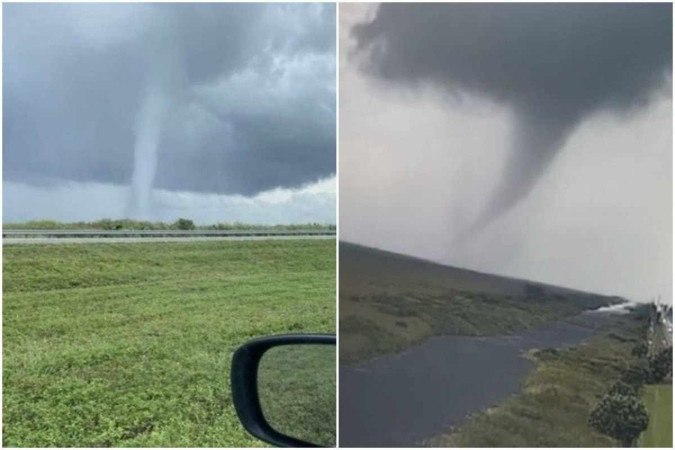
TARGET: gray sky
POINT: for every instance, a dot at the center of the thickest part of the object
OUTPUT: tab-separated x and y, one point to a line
152	102
528	140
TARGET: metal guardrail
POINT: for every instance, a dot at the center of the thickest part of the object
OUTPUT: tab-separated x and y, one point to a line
159	233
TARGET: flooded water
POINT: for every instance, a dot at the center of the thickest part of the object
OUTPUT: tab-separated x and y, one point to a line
404	399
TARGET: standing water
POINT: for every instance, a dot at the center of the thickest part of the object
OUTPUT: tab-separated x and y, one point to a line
404	399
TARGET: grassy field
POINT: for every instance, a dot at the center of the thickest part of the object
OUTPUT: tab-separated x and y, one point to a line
130	344
553	406
658	400
390	301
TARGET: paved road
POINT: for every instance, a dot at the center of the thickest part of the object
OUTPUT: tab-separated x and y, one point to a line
125	240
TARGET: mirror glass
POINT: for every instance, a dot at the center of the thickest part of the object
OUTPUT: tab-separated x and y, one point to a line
296	386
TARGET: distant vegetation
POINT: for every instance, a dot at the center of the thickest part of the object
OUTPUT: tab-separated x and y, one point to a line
390	301
180	224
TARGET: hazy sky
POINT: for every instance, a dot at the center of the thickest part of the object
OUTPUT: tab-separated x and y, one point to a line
130	109
527	140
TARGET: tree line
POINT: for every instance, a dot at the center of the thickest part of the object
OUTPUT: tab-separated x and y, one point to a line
179	224
620	413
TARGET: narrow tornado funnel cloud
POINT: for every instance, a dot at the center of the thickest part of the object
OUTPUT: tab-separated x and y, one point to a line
552	65
148	134
535	141
163	75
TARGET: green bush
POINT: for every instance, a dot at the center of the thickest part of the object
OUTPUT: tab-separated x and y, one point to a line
623	388
636	375
621	417
183	224
534	290
640	350
660	366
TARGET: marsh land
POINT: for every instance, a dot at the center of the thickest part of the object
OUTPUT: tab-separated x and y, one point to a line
442	356
389	302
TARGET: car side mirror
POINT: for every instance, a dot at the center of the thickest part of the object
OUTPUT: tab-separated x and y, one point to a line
284	389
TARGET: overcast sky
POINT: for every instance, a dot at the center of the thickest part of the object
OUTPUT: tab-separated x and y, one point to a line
218	112
528	140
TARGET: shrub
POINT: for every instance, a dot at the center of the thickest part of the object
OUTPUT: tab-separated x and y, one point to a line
534	290
636	375
184	224
623	388
548	354
640	350
661	365
621	417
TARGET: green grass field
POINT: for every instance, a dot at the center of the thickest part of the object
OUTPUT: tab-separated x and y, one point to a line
556	398
130	344
658	400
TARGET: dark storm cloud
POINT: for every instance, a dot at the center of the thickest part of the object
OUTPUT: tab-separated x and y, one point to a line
553	64
242	94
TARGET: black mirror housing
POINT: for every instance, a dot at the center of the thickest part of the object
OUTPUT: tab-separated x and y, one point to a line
244	382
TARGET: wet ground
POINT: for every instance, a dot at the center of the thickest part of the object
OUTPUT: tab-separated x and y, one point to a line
405	399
